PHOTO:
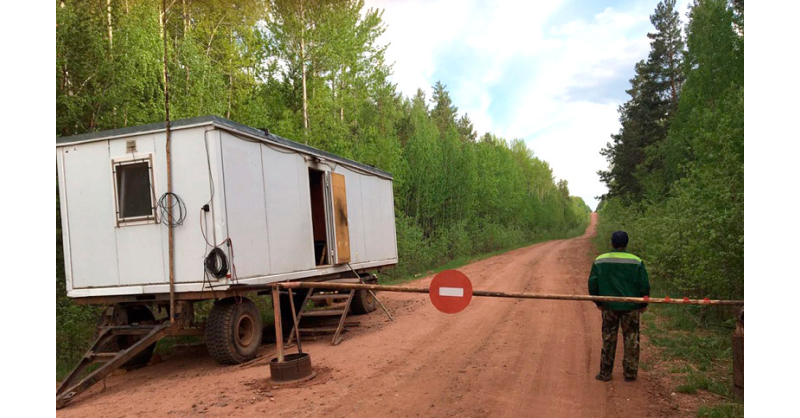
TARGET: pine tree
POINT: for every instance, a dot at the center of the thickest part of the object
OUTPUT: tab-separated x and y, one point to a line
645	118
667	51
643	124
443	111
465	129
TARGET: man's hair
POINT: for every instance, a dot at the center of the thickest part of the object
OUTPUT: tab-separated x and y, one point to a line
619	239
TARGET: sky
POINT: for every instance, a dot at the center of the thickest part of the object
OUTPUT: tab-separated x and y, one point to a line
552	73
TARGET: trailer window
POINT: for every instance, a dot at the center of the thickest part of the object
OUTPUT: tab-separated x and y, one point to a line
134	191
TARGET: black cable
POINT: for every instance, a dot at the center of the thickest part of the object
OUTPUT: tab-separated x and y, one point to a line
206	280
217	263
177	205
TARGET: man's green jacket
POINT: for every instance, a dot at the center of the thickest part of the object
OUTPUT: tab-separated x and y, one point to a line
619	273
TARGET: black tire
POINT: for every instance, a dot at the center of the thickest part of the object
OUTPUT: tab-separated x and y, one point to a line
233	331
363	302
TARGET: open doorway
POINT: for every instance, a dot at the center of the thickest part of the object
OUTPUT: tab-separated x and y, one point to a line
317	187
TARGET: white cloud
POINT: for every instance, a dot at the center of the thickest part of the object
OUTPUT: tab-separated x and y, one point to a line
572	144
519	74
414	31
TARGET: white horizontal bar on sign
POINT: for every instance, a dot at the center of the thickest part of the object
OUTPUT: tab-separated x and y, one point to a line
457	292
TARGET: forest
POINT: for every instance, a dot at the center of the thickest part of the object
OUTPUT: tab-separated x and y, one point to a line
676	166
314	72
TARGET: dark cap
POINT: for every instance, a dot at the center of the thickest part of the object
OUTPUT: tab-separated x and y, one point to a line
619	239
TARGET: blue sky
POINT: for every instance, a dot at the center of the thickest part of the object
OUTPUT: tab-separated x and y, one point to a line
552	73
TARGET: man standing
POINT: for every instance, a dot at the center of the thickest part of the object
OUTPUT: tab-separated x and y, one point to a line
619	273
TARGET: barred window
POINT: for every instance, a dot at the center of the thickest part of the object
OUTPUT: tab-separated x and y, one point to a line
134	191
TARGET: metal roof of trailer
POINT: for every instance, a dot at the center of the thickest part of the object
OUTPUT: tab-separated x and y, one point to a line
222	123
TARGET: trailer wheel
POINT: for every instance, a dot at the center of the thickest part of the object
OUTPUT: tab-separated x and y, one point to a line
233	331
363	302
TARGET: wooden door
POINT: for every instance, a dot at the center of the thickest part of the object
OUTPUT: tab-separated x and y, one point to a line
341	227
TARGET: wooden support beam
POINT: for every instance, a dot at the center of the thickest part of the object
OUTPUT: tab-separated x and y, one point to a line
276	310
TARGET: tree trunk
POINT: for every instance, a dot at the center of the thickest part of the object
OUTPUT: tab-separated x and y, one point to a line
185	18
672	80
110	28
341	98
230	87
303	68
161	16
186	26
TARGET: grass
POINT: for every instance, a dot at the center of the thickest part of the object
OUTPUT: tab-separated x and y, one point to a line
694	343
723	410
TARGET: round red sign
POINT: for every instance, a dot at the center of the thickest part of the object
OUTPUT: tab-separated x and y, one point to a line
450	291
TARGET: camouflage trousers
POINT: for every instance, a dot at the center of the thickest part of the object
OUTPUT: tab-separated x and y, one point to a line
630	332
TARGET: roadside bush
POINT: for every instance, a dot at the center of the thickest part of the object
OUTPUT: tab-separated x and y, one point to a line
75	329
411	245
460	242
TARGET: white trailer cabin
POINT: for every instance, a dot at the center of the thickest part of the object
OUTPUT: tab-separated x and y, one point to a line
249	209
275	209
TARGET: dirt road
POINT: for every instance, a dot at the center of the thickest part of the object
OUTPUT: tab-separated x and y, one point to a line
497	358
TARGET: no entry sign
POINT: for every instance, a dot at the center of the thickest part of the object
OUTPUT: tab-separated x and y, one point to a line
450	291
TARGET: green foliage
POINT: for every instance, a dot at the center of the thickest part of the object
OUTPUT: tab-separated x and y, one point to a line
723	410
75	330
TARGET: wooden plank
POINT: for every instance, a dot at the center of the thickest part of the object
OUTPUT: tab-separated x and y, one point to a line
324	312
336	338
303	308
295	322
276	311
737	341
340	218
738	366
329	296
327	330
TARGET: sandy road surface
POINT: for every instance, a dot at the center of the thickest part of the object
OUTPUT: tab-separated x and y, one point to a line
498	358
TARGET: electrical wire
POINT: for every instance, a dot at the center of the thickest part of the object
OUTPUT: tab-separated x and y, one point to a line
208	162
206	280
216	249
177	203
216	263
